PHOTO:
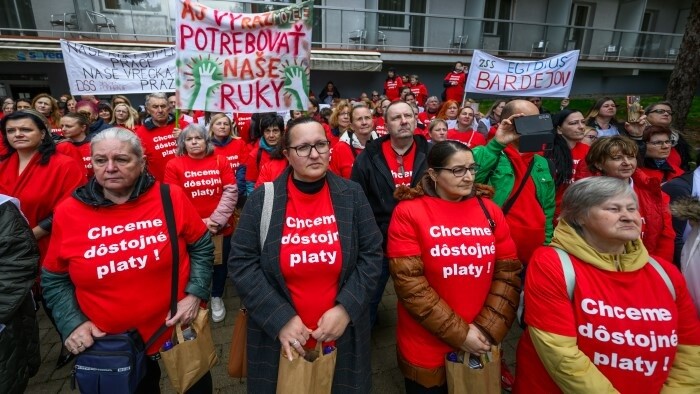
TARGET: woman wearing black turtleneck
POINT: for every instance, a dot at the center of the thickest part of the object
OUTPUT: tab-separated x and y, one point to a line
313	277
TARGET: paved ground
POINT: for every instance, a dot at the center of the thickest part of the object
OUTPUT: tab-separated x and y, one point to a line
386	377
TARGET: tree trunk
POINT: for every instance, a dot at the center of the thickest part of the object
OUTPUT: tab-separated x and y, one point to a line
686	75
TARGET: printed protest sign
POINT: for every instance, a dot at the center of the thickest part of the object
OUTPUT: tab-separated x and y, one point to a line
92	70
231	61
551	77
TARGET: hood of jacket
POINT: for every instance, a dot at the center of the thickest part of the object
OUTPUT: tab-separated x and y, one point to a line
356	142
686	209
568	239
148	123
426	187
92	193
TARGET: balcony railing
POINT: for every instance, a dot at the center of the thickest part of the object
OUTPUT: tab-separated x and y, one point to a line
354	28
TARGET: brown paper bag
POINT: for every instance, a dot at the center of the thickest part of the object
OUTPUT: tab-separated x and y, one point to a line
218	241
461	379
237	356
188	361
302	377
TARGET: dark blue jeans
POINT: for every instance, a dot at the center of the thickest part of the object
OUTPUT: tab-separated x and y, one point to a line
377	298
221	270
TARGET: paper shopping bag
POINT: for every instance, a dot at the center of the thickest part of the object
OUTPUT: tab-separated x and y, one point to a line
190	359
218	241
482	377
302	377
238	357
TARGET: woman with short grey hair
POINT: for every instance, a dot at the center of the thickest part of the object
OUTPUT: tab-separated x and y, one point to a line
602	314
210	184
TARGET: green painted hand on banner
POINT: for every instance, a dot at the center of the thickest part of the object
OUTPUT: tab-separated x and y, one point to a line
207	77
296	83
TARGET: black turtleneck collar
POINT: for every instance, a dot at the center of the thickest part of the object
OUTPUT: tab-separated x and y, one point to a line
308	187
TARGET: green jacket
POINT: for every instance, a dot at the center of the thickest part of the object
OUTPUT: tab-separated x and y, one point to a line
497	170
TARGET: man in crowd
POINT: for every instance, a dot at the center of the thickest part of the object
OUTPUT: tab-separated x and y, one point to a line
538	103
529	209
432	106
158	134
398	158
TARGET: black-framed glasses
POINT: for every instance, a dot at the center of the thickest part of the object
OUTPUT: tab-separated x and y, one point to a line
304	150
461	171
660	143
661	112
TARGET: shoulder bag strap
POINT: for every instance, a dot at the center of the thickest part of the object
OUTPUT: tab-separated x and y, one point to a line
172	234
266	212
511	200
492	224
664	275
569	273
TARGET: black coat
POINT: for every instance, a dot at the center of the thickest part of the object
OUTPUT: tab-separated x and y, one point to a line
261	285
372	172
19	265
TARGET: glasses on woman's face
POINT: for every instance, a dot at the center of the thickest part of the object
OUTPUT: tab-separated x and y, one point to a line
661	112
461	171
304	150
591	137
659	144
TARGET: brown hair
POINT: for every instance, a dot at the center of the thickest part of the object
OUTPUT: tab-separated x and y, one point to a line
604	148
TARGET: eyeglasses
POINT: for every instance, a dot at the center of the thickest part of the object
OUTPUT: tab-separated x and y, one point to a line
661	112
305	149
461	171
660	143
591	137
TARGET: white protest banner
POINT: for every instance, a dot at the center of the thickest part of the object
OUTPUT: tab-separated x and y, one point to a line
231	61
550	77
92	70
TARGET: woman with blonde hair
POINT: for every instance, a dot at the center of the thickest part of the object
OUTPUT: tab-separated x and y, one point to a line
339	121
124	116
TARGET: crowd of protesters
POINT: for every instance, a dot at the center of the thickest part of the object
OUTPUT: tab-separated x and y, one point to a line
422	188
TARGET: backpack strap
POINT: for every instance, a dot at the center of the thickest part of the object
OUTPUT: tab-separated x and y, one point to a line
664	275
569	274
266	212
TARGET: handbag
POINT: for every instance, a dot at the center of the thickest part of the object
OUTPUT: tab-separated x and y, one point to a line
188	360
301	376
238	356
474	375
192	356
116	363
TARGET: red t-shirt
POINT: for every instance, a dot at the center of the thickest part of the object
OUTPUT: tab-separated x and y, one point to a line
393	159
392	88
235	152
426	117
455	92
159	146
120	261
271	170
86	157
578	155
253	166
459	251
380	126
469	138
39	188
243	124
342	159
420	92
66	148
310	256
615	318
202	180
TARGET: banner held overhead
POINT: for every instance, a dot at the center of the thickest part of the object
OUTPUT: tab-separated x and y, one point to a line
550	77
231	61
92	70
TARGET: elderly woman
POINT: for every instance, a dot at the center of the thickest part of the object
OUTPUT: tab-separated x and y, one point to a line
291	303
603	316
353	141
463	131
122	205
436	315
657	149
617	157
210	185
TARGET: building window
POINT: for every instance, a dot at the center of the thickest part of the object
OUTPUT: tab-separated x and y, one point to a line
394	21
131	5
495	9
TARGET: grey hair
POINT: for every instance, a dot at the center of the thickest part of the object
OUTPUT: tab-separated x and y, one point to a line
157	95
121	135
199	130
587	193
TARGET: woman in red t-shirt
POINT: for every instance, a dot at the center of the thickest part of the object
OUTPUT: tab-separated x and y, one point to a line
48	106
463	131
449	113
454	265
75	128
437	130
308	273
209	183
223	133
353	141
655	163
568	150
602	315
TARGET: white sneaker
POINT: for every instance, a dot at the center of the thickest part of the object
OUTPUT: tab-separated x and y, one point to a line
218	310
